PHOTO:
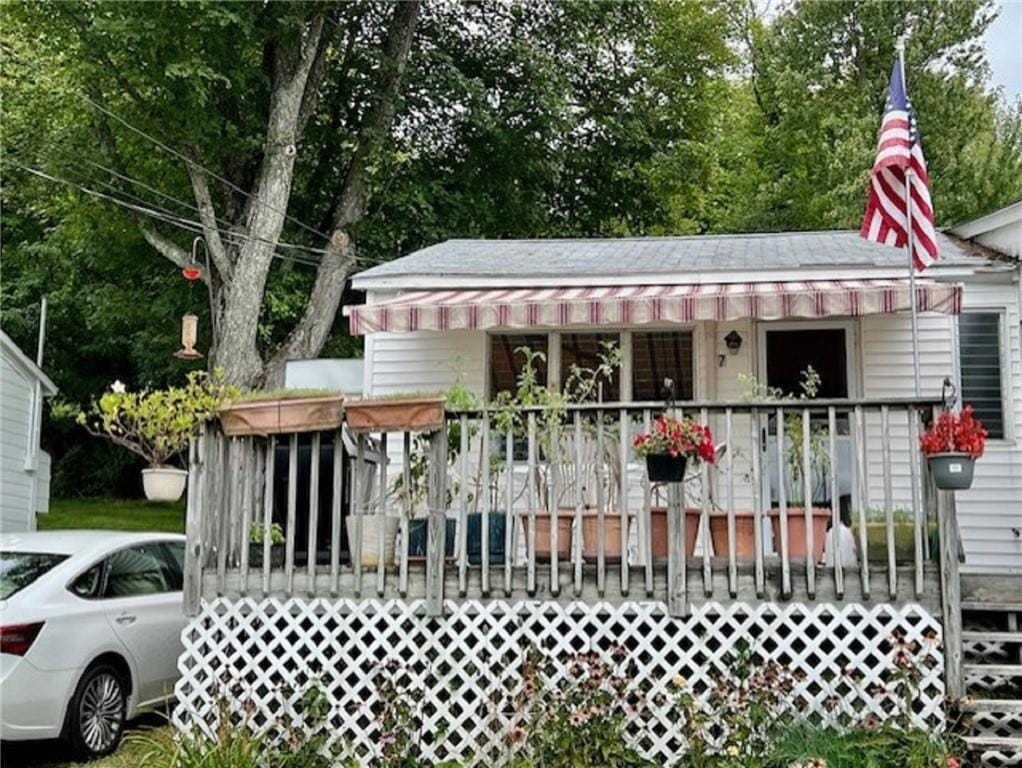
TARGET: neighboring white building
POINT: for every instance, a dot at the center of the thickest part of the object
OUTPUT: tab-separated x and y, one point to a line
830	299
25	468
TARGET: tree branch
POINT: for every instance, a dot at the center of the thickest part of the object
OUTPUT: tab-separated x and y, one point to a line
207	215
167	247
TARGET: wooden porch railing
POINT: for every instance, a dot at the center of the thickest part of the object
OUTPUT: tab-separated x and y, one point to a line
556	506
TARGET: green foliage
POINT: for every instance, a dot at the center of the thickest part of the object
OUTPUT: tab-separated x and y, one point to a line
155	424
283	393
812	746
258	533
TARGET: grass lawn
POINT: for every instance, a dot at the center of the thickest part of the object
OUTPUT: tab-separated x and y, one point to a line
113	514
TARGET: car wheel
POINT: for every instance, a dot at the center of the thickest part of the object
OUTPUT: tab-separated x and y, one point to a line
97	712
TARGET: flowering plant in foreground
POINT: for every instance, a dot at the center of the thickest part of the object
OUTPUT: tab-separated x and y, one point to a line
955	433
677	437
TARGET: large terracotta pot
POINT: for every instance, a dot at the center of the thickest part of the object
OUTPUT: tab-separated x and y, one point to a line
272	417
397	414
163	483
658	530
797	531
591	536
565	517
745	534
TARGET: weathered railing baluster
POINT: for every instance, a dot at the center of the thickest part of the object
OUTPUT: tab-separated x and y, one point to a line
917	522
406	511
250	473
192	587
885	455
646	529
337	501
292	513
861	474
782	503
951	594
437	526
509	517
554	501
576	538
484	528
313	545
757	503
809	508
677	565
601	530
268	492
381	521
462	548
623	431
530	544
358	509
732	544
230	510
835	506
704	518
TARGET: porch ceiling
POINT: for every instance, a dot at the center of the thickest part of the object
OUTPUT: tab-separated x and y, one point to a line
445	310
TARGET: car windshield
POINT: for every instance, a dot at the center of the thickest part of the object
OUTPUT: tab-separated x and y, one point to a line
19	569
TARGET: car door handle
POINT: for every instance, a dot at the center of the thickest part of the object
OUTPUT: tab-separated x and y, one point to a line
125	619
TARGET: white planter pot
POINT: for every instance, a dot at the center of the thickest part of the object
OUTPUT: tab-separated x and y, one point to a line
371	538
164	483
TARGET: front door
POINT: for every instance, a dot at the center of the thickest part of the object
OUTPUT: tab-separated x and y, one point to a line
787	352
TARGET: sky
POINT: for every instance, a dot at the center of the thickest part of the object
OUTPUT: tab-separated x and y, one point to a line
1004	48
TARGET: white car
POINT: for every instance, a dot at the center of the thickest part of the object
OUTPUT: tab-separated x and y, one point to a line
90	633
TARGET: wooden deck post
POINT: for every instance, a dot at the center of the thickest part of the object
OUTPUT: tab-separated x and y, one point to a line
950	594
677	567
436	532
193	527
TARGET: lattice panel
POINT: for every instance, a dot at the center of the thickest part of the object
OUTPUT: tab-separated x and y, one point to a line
257	659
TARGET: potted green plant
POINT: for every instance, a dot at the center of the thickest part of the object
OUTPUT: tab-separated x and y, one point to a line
401	412
157	425
277	411
951	446
257	539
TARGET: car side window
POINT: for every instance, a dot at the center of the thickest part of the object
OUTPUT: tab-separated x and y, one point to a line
89	583
138	570
175	552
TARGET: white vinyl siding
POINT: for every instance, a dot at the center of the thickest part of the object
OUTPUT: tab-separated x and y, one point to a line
17	487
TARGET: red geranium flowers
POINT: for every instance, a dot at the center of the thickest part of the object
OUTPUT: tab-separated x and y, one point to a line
677	437
955	433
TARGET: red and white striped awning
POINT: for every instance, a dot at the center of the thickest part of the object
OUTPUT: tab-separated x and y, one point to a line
446	310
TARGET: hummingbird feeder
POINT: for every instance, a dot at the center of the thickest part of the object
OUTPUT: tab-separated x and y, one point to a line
190	323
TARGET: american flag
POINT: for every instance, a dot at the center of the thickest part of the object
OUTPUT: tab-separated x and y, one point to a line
898	150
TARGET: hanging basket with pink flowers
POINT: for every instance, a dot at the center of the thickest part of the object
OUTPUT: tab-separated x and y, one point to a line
671	444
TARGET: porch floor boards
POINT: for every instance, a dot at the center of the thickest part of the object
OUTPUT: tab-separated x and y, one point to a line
231	586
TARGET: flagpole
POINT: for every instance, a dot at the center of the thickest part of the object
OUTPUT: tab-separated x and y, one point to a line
909	243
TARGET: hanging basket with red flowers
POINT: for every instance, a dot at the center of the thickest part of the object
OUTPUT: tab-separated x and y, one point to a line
951	446
671	444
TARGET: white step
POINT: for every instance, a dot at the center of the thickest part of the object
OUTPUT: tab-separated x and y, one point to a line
974	605
991	705
994	670
999	743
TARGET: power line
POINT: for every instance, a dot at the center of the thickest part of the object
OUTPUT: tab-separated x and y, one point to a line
201	167
145	210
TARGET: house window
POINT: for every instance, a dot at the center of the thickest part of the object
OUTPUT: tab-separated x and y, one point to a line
585	350
506	362
660	355
979	359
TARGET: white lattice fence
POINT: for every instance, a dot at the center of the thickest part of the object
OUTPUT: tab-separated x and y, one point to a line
258	658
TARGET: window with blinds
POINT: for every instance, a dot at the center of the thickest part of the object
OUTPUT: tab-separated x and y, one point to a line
979	354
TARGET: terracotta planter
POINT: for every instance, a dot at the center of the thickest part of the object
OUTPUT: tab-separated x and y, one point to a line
371	541
658	530
745	534
164	483
565	517
797	531
272	417
419	414
591	534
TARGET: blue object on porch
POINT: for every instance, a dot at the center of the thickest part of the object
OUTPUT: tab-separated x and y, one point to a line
418	534
474	544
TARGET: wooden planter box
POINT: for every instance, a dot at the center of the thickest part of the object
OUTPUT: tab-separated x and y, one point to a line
413	414
272	417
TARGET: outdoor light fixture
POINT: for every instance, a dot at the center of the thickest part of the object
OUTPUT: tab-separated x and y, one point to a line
734	342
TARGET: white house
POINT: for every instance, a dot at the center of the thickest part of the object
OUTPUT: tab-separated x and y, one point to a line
25	468
785	301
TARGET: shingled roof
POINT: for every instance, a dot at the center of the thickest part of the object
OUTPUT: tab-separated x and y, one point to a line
652	256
